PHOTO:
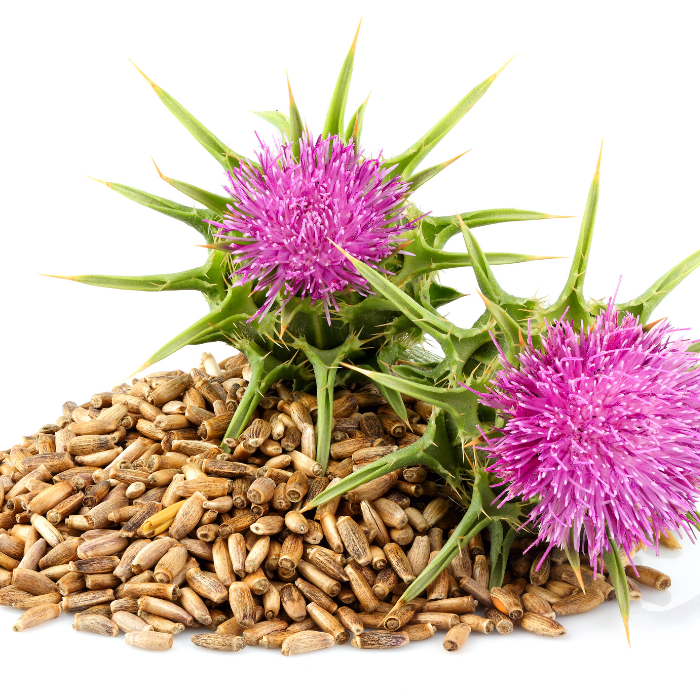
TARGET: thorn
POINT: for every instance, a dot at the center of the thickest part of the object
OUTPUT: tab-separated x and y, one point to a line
531	258
579	578
500	70
452	160
558	216
150	82
626	622
59	277
146	364
354	41
102	182
305	508
212	246
647	327
289	87
160	174
597	169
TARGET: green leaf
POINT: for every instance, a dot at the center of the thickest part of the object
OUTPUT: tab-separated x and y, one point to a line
414	155
618	578
210	200
354	127
574	558
572	297
419	179
296	128
484	276
224	156
177	281
336	110
469	527
236	309
188	215
644	305
402	301
500	549
278	120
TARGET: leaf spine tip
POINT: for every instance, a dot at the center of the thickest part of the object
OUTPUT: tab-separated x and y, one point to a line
354	41
102	182
150	82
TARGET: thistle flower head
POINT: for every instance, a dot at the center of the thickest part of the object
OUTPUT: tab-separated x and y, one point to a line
288	214
603	427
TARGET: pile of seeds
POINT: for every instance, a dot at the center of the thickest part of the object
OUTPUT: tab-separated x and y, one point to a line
128	514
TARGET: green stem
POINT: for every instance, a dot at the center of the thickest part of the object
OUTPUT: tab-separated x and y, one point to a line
432	451
265	371
325	364
471	524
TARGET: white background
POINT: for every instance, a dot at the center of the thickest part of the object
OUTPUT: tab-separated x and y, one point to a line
74	106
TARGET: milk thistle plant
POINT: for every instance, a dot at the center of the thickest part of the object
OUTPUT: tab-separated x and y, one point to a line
576	421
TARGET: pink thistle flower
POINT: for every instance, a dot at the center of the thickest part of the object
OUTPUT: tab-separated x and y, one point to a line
603	428
287	215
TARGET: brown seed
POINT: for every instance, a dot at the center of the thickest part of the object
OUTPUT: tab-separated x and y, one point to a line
242	605
419	632
254	634
219	642
456	637
399	562
77	602
313	574
469	585
165	591
579	603
296	487
208	587
188	516
441	621
302	642
377	639
128	622
164	608
354	540
33	582
296	522
504	625
36	616
533	603
478	623
328	623
543	626
399	617
461	605
649	577
561	588
96	624
151	641
350	620
268	525
151	554
360	587
507	601
315	595
539	570
161	624
195	606
385	583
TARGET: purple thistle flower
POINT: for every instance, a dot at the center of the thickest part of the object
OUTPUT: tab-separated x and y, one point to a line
287	215
603	427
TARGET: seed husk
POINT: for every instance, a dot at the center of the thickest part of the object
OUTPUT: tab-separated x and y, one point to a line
649	577
377	639
303	642
543	626
151	640
219	642
579	603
